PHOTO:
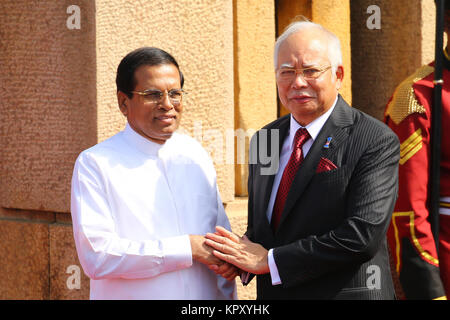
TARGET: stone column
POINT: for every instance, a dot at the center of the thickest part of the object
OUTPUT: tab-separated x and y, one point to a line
254	78
47	115
382	58
335	16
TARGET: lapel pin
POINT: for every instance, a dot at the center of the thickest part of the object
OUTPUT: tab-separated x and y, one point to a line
327	144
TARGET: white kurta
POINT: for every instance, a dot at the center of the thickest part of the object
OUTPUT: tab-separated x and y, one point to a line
134	203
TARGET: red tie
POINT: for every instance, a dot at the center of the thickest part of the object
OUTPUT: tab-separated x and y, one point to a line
301	136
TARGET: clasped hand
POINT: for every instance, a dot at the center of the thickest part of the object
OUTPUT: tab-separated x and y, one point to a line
204	254
228	255
238	251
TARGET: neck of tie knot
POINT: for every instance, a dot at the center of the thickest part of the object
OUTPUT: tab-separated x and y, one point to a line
301	136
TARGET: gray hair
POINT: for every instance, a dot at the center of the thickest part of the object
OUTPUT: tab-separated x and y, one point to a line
334	45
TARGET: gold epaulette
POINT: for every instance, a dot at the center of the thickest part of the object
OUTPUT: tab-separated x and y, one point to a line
404	100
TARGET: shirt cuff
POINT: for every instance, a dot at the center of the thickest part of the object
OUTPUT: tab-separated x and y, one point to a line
177	253
273	269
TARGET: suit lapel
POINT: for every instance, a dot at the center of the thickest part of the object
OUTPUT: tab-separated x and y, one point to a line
265	182
334	127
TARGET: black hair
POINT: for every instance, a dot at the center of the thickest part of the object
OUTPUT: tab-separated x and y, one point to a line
149	56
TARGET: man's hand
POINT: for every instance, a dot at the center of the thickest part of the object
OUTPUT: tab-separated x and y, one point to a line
241	252
204	254
201	252
226	270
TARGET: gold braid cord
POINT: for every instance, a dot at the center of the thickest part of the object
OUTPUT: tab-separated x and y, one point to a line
404	101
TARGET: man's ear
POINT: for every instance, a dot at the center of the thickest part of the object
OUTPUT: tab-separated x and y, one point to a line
339	76
123	101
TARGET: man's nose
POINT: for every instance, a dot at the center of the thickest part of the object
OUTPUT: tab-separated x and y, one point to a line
299	81
165	102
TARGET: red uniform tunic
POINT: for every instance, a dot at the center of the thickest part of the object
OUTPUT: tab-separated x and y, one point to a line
423	272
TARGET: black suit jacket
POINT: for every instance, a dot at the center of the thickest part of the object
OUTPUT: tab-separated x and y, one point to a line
331	241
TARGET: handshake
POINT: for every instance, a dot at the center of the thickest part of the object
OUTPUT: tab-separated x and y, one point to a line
228	255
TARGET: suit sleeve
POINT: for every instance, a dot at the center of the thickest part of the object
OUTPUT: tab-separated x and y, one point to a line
409	236
371	195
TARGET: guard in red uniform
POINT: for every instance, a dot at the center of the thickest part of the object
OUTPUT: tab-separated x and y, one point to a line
423	272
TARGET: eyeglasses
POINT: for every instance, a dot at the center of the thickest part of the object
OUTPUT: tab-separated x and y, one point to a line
156	96
289	74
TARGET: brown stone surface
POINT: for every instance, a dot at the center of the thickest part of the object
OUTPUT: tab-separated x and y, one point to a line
27	215
63	218
255	90
65	268
24	251
428	29
382	58
335	16
287	10
47	100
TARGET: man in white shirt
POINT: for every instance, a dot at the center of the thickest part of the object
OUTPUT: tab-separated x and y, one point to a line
143	199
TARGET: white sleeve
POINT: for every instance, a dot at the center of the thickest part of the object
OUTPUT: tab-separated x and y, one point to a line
274	275
101	251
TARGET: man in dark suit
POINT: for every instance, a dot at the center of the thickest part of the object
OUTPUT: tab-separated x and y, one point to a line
317	225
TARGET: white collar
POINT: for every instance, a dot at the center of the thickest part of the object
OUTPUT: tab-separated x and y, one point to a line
313	127
139	142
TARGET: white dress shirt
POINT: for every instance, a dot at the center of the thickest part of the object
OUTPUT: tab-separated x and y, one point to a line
134	203
313	129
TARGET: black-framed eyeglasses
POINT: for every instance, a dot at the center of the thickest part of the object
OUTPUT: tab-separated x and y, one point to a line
156	96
